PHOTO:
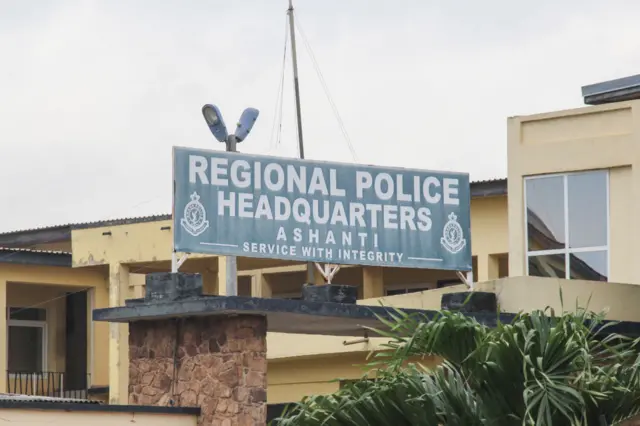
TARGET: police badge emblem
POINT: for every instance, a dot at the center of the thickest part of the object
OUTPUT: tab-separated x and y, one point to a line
452	236
195	217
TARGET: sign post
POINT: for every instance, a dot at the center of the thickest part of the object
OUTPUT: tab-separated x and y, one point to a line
236	204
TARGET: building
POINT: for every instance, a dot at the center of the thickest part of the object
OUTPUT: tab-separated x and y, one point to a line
54	276
569	219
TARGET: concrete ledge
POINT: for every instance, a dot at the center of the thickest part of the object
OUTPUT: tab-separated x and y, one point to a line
283	316
70	406
298	317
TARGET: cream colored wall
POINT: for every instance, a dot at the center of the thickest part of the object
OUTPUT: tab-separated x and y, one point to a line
489	234
140	242
20	284
517	294
33	417
52	299
289	346
134	250
302	365
597	137
291	380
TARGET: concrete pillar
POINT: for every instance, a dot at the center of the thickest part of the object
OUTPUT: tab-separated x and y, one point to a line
221	279
260	285
488	268
118	348
210	281
3	341
220	366
99	357
136	283
318	279
372	282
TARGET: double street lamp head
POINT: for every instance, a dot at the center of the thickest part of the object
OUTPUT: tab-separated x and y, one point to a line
214	120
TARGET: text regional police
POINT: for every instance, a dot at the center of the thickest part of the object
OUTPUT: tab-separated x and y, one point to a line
327	196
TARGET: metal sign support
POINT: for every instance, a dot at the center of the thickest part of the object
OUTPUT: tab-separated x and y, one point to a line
328	271
177	263
467	280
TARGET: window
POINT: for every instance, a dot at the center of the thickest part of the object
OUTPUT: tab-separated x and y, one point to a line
449	283
27	340
567	218
395	289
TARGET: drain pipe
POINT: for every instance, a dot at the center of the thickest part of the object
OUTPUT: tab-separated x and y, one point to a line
354	342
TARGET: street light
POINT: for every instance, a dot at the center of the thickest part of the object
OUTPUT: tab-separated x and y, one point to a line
214	120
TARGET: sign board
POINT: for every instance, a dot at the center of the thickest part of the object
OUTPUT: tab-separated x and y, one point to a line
259	206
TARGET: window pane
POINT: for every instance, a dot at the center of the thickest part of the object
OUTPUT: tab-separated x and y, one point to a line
552	265
25	349
587	196
590	265
545	213
417	290
28	314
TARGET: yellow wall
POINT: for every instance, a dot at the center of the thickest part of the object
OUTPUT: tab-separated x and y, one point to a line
291	380
51	298
489	235
529	293
598	137
146	247
130	251
44	285
301	365
33	417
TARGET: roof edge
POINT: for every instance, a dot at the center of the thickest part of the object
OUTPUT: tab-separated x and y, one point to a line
58	233
96	407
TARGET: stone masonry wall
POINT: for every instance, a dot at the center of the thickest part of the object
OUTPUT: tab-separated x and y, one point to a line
221	366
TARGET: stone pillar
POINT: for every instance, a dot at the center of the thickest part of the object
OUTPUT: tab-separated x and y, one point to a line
216	362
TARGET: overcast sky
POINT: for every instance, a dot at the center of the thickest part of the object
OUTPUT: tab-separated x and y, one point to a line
93	94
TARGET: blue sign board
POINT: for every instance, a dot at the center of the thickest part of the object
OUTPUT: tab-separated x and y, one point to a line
260	206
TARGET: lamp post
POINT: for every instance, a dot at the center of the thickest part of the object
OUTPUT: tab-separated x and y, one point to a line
214	120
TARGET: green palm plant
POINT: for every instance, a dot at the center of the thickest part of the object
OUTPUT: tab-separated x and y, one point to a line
539	369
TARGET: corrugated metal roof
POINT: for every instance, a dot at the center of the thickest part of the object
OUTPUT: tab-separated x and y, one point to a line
37	229
26	256
28	250
13	397
93	224
122	221
475	182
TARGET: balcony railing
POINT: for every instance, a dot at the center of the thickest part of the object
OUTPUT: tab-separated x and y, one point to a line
45	383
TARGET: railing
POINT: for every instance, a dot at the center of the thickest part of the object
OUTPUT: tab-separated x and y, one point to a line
45	383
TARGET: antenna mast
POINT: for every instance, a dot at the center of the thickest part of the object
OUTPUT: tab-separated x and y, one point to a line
296	86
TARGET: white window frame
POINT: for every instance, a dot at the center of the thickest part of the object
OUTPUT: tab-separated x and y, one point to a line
566	251
32	324
424	286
